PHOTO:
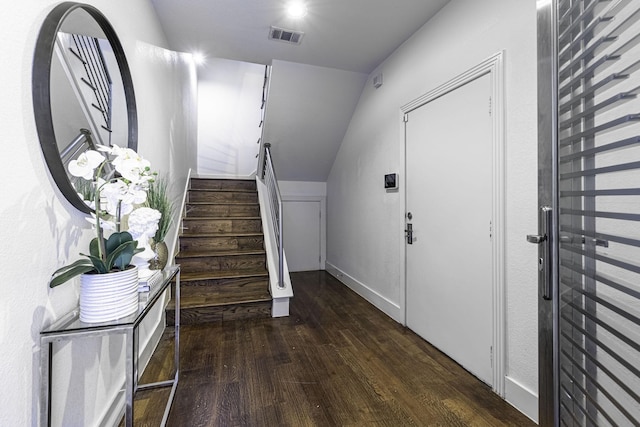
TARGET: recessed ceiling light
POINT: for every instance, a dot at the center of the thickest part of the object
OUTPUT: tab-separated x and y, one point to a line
198	58
296	10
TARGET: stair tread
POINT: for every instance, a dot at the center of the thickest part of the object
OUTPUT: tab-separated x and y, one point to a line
225	190
232	234
223	203
222	274
220	252
221	218
223	183
186	302
223	179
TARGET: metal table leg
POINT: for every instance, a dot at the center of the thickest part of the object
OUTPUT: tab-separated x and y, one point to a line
129	382
45	376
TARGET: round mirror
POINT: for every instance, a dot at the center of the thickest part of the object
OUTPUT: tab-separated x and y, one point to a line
82	92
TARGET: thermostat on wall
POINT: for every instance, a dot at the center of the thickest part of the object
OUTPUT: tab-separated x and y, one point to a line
391	181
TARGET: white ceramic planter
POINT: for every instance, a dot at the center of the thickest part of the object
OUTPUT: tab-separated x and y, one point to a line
106	297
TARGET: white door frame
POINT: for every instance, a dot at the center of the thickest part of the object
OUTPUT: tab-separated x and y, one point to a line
494	67
323	221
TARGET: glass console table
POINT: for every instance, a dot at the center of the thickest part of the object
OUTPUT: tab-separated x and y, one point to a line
69	328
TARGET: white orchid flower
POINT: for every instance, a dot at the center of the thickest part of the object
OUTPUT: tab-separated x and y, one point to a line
113	149
137	196
116	150
113	193
122	154
130	198
133	169
119	193
85	164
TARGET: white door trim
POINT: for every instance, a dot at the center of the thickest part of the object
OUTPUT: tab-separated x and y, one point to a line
323	221
493	66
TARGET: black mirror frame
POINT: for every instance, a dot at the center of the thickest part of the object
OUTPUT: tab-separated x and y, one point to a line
41	88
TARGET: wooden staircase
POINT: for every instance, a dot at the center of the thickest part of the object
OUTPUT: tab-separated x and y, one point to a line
222	257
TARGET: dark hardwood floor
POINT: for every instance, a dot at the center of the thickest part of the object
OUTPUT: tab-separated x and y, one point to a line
336	361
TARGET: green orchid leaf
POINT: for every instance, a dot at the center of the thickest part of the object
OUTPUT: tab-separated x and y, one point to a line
125	257
98	264
121	257
70	272
70	266
94	247
116	239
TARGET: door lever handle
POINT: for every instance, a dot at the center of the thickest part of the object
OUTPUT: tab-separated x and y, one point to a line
536	238
545	270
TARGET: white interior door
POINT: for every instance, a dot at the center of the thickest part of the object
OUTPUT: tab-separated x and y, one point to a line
302	234
449	158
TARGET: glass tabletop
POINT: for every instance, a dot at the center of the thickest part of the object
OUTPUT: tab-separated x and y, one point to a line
70	322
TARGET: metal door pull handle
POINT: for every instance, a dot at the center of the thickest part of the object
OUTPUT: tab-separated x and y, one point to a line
536	238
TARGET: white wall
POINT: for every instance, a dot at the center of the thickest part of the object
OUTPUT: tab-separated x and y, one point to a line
365	222
229	100
40	231
167	81
302	188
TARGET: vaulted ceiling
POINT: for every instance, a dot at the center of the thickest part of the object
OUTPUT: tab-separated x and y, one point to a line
353	36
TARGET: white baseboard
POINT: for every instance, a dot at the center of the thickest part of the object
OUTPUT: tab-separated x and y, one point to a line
385	305
521	398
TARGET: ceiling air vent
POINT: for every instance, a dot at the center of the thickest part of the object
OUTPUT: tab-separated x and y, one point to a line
289	36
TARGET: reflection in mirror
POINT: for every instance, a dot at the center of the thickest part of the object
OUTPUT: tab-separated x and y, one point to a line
83	95
87	95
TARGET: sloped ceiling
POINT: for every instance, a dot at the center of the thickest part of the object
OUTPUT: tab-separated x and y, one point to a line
316	84
308	112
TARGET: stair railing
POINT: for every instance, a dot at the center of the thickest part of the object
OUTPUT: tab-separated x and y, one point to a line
274	200
88	50
263	114
266	173
80	143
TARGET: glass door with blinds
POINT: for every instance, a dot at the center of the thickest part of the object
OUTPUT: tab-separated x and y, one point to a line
589	64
